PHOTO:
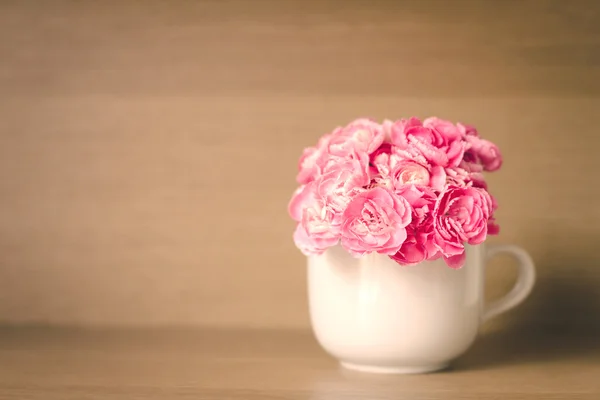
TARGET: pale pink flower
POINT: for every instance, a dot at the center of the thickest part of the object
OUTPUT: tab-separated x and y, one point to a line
461	216
361	135
419	244
319	225
298	201
318	206
307	203
341	180
375	221
416	171
304	243
439	141
307	165
410	172
408	167
311	160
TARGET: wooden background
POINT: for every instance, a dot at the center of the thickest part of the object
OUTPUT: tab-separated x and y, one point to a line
148	149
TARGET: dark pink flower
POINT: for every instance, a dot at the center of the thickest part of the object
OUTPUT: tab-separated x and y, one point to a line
385	148
493	227
484	152
467	130
480	150
461	216
379	156
419	244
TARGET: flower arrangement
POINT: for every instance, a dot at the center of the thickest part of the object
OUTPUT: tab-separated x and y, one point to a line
410	189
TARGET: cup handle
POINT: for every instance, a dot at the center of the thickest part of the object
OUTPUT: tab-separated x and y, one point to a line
523	286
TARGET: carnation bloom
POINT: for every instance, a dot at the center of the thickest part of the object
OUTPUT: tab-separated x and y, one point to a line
461	216
361	135
375	221
485	152
440	142
410	189
407	167
341	179
310	161
480	150
418	245
318	225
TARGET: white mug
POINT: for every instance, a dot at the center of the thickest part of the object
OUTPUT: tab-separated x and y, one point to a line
375	315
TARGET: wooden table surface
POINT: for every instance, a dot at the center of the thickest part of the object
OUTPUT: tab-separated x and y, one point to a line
61	363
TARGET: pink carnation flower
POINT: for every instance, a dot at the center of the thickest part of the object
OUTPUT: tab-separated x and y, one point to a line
361	135
467	130
341	179
419	245
385	148
460	216
311	160
409	189
493	228
484	152
375	221
407	167
318	206
468	174
439	141
413	169
480	150
379	156
319	226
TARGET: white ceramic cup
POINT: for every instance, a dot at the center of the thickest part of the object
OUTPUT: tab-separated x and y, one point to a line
374	315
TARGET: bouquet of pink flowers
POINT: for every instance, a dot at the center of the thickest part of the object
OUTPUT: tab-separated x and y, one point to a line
408	189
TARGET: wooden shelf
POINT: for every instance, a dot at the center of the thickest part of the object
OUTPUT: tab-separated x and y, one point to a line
67	363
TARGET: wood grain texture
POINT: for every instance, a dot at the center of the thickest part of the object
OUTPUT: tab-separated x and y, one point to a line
50	363
148	149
